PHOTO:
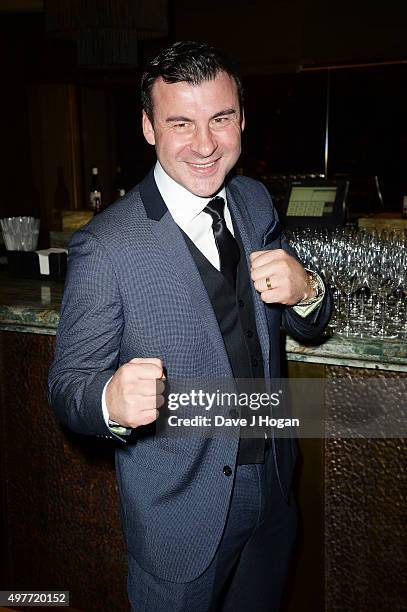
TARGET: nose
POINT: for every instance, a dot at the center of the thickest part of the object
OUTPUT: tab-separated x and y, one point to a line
203	142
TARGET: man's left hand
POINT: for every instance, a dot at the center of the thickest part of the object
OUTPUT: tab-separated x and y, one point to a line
288	279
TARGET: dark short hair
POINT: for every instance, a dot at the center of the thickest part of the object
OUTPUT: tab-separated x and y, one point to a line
192	62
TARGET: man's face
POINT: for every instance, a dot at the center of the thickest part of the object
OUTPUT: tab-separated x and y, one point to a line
196	132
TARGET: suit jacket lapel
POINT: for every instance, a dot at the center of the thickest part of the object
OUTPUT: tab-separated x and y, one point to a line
251	242
170	239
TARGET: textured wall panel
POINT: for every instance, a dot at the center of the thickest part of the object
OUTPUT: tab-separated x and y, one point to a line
59	490
365	486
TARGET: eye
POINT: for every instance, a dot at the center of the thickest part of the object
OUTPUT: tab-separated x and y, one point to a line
182	126
220	122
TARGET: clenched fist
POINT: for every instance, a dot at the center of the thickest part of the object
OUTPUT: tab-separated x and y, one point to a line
135	392
279	278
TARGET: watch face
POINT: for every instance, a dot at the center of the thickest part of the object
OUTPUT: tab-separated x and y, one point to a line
313	281
315	284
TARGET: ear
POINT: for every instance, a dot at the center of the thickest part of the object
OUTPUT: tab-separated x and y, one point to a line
148	129
243	121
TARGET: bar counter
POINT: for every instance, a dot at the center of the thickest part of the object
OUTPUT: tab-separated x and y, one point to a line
59	515
33	306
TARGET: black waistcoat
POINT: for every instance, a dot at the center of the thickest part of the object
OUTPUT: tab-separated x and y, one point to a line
234	312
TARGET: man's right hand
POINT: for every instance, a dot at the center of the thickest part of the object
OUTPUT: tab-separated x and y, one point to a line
135	392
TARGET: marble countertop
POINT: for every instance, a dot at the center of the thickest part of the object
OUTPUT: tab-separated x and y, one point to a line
33	306
371	353
29	305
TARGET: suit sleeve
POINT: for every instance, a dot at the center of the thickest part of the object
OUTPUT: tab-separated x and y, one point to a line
88	337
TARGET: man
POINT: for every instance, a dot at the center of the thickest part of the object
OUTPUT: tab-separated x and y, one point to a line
188	276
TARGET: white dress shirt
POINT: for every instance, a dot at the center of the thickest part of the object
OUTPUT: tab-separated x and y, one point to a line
187	211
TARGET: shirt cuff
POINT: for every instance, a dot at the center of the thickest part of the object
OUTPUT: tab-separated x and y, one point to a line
306	309
117	429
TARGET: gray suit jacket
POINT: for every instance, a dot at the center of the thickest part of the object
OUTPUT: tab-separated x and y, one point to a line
133	290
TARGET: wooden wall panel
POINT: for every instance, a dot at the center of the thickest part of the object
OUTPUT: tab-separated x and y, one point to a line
61	527
55	138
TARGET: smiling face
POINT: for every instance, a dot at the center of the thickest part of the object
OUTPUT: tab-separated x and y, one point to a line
196	131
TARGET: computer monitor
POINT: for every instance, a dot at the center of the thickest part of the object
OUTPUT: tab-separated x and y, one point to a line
315	203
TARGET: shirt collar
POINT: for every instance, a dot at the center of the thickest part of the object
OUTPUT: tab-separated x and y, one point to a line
183	205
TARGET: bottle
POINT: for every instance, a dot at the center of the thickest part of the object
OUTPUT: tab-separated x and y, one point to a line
118	185
95	192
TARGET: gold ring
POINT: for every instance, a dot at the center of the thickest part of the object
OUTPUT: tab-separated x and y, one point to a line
268	283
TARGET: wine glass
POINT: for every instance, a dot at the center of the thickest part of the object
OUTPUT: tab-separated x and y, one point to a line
384	285
346	276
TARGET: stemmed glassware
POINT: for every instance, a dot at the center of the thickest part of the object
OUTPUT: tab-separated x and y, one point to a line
385	286
368	265
403	329
347	277
373	277
398	318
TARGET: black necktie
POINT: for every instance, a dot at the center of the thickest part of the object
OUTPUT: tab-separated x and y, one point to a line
229	253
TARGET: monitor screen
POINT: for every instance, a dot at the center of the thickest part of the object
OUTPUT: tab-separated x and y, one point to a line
311	201
316	202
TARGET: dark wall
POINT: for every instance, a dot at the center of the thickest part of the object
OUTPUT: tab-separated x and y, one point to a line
133	153
368	127
286	107
17	188
286	116
285	122
282	35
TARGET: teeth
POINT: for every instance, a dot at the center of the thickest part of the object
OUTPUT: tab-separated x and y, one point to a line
203	165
